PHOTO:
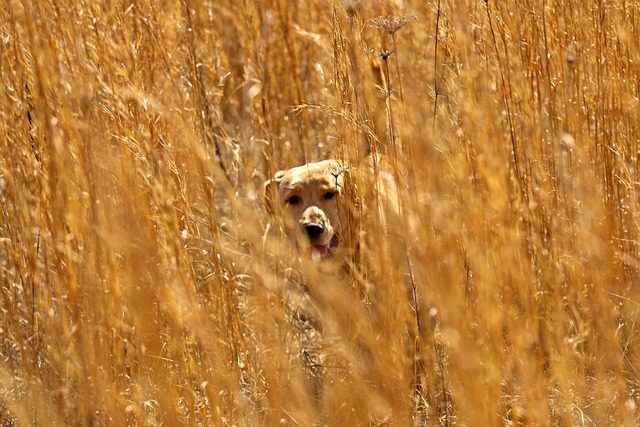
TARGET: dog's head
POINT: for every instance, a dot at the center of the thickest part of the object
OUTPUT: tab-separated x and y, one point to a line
310	199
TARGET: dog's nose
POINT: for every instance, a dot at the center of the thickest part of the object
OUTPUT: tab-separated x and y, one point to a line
314	230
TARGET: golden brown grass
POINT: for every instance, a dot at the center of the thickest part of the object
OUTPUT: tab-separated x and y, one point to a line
143	282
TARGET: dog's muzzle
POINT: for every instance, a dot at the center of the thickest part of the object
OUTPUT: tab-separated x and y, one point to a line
320	251
314	231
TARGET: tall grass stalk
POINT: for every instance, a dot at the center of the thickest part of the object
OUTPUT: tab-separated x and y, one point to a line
143	282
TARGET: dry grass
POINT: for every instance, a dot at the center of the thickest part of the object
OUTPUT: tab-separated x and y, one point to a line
143	282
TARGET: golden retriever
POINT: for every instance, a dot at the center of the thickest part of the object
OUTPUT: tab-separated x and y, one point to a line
321	207
325	208
311	201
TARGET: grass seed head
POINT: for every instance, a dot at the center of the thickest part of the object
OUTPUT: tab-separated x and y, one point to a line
391	24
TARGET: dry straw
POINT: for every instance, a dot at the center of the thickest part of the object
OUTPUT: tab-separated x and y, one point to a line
142	281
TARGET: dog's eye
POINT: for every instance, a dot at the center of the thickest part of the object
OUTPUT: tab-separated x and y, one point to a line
329	195
293	200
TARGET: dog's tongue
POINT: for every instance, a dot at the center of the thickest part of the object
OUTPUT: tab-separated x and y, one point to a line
323	250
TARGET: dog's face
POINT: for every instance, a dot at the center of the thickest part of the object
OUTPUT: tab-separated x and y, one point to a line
310	199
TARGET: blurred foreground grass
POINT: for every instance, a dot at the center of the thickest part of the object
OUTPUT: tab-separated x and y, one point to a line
143	282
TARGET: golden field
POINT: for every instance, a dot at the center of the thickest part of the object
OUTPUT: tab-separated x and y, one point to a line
144	283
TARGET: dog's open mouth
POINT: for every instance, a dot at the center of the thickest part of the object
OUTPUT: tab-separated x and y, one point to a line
319	252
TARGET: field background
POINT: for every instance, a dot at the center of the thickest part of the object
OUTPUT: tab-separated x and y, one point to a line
143	282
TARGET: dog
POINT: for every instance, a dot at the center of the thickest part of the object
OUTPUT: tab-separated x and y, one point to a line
325	204
312	201
339	215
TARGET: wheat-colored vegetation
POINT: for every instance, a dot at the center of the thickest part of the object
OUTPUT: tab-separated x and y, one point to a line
144	283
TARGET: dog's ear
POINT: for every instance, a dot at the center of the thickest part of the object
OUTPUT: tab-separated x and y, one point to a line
270	193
